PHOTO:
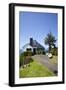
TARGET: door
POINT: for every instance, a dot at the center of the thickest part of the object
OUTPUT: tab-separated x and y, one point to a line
34	51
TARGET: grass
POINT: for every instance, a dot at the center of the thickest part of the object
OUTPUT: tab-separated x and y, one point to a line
54	60
35	69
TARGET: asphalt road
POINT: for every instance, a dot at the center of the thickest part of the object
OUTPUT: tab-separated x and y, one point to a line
44	60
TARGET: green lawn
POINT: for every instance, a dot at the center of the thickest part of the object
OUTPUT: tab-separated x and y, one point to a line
35	69
54	60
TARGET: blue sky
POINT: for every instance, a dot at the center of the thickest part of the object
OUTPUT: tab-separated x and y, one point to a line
37	25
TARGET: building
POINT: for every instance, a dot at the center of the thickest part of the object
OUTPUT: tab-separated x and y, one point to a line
35	47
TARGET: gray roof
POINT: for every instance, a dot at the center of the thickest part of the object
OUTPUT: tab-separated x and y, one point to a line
36	44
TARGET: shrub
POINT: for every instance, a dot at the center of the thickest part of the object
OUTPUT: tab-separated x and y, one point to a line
54	51
28	53
25	57
40	51
21	58
44	52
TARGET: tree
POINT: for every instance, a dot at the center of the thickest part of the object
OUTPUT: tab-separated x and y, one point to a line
50	41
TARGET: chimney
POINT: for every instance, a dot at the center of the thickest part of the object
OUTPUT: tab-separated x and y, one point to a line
31	41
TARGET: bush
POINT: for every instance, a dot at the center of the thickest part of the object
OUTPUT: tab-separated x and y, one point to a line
28	53
54	51
44	52
40	51
25	57
21	58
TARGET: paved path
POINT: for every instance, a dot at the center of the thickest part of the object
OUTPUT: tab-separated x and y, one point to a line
44	60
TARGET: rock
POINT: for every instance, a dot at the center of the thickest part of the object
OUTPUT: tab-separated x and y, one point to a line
27	65
50	55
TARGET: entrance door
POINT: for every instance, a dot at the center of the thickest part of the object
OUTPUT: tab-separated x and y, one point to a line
34	51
